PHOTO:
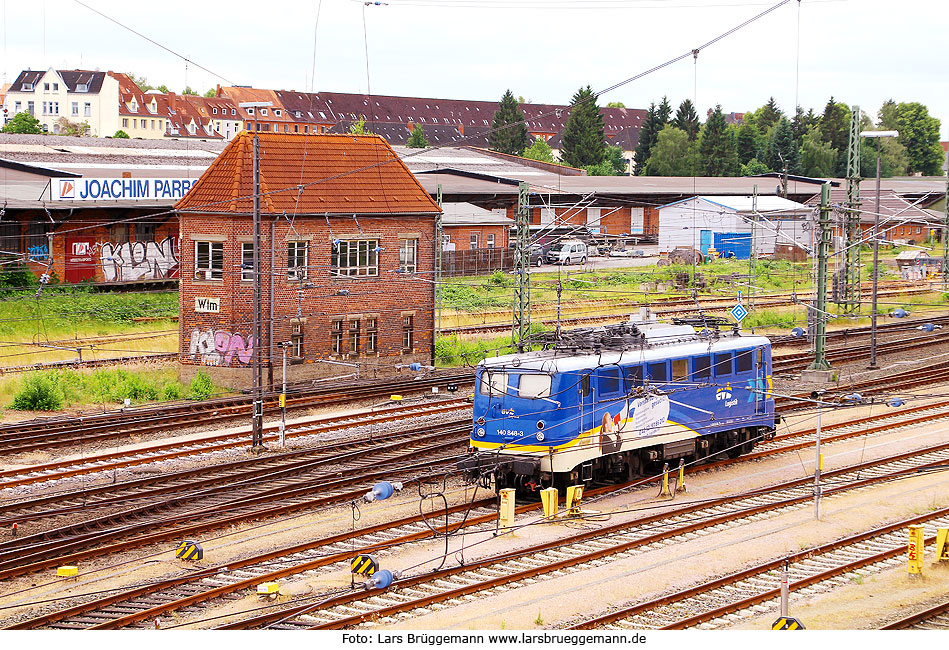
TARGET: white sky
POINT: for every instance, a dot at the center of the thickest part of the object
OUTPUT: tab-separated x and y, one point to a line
861	51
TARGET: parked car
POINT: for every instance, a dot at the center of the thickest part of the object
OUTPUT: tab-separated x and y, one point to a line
538	254
568	251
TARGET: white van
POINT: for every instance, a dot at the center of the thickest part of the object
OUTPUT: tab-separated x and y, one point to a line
568	251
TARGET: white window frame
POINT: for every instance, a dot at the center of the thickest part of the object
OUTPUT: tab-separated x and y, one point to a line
489	240
355	258
296	270
408	255
213	269
474	240
408	332
247	256
87	109
75	108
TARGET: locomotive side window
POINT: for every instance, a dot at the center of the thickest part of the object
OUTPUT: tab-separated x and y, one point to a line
759	353
723	364
493	383
609	381
657	372
585	385
634	376
702	367
680	369
533	386
743	361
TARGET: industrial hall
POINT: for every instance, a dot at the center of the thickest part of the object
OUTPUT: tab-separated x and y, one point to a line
346	258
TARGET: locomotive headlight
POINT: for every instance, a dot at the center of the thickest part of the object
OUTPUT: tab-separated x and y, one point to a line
480	432
480	420
540	424
539	436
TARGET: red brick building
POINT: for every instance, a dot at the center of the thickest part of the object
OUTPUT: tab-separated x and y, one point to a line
347	259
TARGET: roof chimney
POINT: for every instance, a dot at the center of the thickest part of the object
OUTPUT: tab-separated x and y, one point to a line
172	101
217	91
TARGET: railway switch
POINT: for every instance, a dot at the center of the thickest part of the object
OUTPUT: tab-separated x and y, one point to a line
506	508
574	495
942	545
189	550
67	571
915	550
549	497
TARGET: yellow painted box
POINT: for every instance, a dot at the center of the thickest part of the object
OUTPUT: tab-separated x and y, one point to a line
67	571
268	589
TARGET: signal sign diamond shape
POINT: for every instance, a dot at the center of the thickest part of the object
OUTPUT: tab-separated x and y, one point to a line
739	312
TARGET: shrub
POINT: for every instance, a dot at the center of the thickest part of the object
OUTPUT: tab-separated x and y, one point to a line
498	279
201	386
40	392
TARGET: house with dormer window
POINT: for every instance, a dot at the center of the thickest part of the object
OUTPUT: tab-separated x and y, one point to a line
76	95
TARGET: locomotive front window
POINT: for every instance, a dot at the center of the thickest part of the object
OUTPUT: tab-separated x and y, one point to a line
657	372
680	369
743	361
493	383
609	381
702	367
723	364
534	386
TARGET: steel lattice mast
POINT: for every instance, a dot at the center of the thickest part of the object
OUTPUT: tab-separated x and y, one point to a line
849	294
522	264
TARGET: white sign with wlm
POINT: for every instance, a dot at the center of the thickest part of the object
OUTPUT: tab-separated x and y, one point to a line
207	305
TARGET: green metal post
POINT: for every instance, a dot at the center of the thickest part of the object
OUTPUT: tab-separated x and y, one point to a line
438	261
823	251
522	264
849	297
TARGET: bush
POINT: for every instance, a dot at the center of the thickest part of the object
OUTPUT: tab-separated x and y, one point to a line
40	392
201	386
17	277
498	279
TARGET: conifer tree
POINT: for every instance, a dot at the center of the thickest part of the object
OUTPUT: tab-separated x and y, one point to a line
783	150
417	140
508	130
583	140
687	119
716	147
656	119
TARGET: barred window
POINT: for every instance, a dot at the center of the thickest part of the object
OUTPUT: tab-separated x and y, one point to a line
355	257
10	244
336	337
408	332
37	241
296	260
208	260
247	261
408	255
144	232
372	332
296	340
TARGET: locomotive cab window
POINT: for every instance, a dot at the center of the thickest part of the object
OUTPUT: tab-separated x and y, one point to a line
743	361
701	367
533	386
609	382
723	364
493	383
634	376
680	369
759	356
658	373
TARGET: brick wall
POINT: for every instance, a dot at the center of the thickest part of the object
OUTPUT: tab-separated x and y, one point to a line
223	342
460	236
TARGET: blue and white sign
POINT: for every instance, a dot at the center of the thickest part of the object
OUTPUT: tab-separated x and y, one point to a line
121	189
739	312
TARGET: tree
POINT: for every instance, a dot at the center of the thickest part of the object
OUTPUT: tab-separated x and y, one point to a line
675	154
189	91
23	123
783	149
768	115
747	141
716	147
121	135
687	119
73	128
616	105
802	122
540	150
359	127
211	93
508	130
835	130
141	82
583	140
818	158
163	88
754	167
886	116
656	119
417	140
919	134
613	164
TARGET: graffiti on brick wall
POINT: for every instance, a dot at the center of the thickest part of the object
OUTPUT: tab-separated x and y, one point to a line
220	347
139	260
38	252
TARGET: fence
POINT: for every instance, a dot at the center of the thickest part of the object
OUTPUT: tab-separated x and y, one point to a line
479	261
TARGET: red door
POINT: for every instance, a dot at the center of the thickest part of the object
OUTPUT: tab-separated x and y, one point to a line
80	259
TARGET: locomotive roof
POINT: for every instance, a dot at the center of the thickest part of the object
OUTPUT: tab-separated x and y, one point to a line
660	342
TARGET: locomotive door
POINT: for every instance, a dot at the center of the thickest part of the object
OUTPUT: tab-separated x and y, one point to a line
761	382
586	401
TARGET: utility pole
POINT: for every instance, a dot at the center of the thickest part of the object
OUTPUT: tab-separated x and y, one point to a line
753	255
438	261
823	251
849	296
522	263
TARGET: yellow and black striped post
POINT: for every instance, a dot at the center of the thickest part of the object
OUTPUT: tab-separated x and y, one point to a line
364	564
787	623
189	550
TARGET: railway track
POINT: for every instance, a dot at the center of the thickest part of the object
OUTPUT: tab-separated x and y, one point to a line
934	618
211	585
584	549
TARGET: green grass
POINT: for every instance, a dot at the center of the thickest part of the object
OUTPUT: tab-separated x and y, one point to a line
455	351
53	390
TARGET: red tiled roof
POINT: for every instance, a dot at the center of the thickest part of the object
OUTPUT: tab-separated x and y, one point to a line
341	174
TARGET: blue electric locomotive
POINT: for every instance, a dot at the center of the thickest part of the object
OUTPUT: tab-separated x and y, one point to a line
611	403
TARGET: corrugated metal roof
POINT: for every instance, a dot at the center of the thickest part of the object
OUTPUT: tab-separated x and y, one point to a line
310	174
